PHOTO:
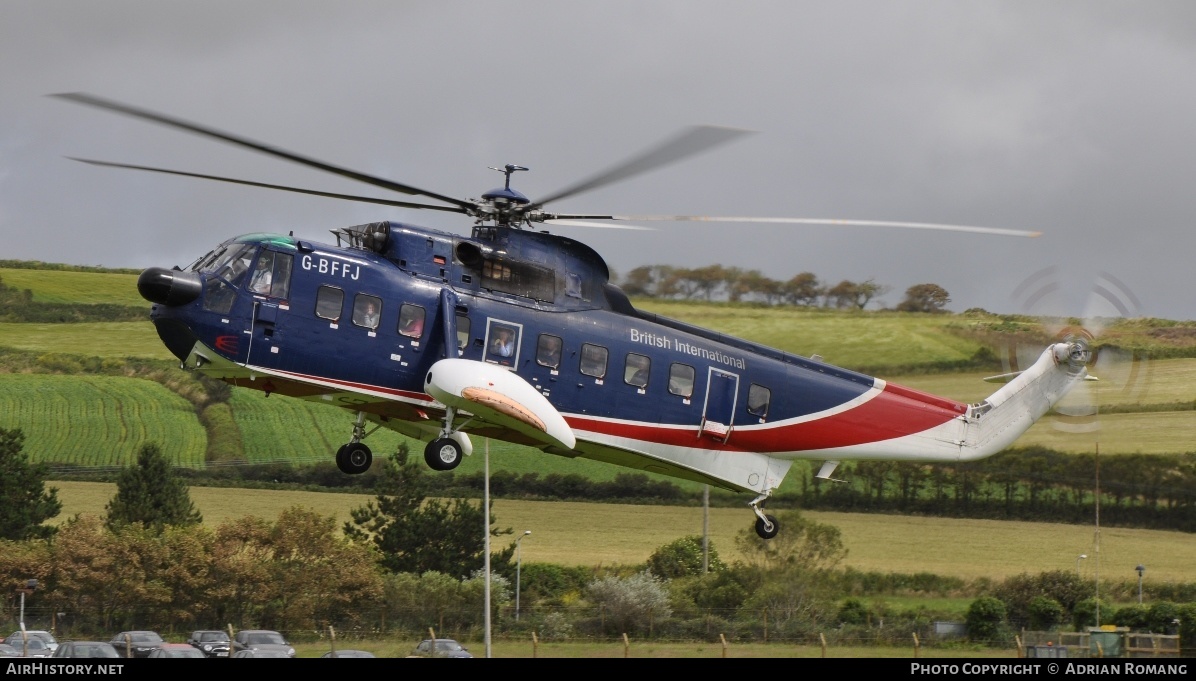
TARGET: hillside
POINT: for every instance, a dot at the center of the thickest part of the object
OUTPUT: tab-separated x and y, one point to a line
943	353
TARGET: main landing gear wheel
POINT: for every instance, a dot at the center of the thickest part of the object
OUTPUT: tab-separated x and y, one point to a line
443	454
767	527
354	458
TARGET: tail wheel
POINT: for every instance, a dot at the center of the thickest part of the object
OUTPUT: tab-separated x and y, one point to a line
443	454
354	458
767	527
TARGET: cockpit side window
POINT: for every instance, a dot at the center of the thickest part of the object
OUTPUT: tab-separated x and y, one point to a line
272	275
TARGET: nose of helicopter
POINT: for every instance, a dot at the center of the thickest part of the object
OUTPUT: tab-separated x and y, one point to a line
169	287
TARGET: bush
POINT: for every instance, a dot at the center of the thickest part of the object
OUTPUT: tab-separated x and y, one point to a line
986	620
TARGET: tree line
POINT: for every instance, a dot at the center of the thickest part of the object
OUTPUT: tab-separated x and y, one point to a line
405	562
733	284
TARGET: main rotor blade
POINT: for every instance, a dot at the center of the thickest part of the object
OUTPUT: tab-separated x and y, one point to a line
801	221
600	225
144	114
692	141
313	192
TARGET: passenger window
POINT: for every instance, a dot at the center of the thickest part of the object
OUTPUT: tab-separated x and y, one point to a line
462	331
502	344
681	380
548	351
635	371
593	360
758	399
367	310
411	321
329	302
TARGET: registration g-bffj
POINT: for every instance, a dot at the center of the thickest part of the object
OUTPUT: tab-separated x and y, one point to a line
1052	668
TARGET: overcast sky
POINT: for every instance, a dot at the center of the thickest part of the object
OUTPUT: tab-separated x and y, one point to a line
1073	118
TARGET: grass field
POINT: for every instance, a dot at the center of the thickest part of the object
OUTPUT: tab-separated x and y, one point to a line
617	534
100	420
98	339
845	339
61	286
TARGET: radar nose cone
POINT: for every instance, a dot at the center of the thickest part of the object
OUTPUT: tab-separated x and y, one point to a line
169	287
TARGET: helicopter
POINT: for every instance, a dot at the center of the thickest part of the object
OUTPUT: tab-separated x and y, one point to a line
517	334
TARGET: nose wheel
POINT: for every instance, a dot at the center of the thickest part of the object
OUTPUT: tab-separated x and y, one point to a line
443	454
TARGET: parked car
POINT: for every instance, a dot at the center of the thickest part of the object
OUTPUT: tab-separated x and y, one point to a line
34	647
78	649
176	650
348	653
136	643
249	652
440	647
212	642
8	651
14	639
261	639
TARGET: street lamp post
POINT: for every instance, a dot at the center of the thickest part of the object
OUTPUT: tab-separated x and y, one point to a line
1140	569
30	585
518	570
1080	557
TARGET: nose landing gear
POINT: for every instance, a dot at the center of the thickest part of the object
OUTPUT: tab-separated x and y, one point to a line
445	452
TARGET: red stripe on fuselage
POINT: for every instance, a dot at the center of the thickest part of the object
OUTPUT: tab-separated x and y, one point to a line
896	412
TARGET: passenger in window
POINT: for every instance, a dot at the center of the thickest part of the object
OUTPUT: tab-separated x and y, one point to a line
369	318
504	343
412	322
549	351
681	380
637	370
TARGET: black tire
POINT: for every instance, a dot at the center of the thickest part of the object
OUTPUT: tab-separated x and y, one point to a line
443	454
763	530
354	458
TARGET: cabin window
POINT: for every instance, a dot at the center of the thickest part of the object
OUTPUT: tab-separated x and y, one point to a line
593	360
411	321
462	331
548	351
502	343
367	310
272	275
758	400
681	380
329	302
635	370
